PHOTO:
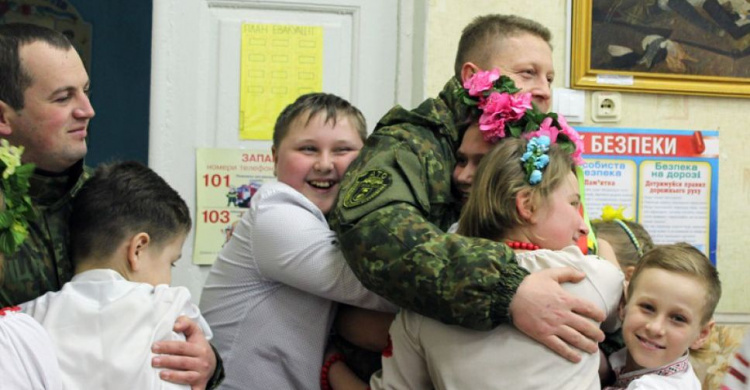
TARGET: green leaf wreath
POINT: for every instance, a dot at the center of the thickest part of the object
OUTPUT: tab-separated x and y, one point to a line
16	203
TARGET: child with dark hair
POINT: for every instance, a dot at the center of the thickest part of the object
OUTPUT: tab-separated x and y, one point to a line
273	292
127	230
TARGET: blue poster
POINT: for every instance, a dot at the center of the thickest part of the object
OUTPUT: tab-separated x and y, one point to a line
667	180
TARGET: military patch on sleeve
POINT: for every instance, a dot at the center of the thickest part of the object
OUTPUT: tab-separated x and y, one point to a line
366	187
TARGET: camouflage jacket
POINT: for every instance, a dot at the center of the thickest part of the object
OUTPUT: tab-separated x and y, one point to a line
394	206
42	264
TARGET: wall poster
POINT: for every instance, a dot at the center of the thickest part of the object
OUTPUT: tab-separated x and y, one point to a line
278	63
226	180
667	180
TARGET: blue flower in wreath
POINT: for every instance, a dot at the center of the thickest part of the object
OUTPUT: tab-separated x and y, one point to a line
535	158
535	177
541	161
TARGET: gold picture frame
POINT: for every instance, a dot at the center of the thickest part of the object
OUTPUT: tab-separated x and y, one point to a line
648	47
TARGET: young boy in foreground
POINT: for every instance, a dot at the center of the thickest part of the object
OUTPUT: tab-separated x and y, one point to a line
127	230
670	304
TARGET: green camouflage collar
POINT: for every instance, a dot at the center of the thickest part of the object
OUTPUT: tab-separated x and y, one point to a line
448	114
50	189
452	95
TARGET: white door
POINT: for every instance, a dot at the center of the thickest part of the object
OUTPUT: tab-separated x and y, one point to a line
195	89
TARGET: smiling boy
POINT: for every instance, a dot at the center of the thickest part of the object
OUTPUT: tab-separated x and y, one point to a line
671	300
275	287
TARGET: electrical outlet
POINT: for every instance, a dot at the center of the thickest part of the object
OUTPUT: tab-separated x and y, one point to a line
606	106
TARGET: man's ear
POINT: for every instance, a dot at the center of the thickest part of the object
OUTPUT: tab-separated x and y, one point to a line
703	335
136	247
467	70
524	205
5	113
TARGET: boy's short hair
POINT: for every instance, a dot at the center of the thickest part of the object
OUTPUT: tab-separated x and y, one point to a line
684	259
491	209
314	103
119	201
627	253
15	79
479	37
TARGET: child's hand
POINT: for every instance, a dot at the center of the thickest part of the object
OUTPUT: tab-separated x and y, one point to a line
550	315
190	362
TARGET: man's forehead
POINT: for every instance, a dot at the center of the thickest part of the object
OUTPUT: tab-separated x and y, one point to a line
59	67
517	49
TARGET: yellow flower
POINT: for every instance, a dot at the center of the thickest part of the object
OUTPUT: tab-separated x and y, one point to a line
10	157
609	213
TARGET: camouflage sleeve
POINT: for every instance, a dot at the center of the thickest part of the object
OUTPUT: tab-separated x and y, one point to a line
383	220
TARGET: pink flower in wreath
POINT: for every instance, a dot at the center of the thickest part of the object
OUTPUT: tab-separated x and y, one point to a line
496	110
574	137
545	129
481	81
519	103
492	128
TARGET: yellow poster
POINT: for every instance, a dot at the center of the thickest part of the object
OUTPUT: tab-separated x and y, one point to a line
278	63
226	180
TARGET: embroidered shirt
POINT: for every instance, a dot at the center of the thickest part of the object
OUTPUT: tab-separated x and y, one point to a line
738	375
27	359
677	375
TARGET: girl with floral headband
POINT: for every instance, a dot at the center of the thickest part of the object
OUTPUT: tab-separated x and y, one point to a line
526	195
504	112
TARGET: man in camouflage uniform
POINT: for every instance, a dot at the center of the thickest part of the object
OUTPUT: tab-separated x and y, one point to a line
396	202
44	107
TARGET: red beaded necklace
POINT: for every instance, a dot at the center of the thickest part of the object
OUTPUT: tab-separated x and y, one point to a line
522	245
9	309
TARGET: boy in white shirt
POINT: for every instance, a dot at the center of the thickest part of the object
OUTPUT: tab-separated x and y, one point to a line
671	300
127	230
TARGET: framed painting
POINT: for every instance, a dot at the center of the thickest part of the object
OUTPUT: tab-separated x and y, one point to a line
692	47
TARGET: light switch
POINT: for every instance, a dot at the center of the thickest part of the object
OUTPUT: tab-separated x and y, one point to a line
570	103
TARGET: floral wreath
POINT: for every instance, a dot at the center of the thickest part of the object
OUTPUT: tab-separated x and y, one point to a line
505	112
14	185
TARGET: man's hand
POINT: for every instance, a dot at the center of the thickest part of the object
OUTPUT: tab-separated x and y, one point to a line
190	362
548	314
